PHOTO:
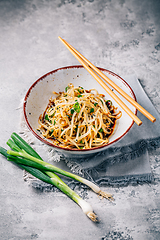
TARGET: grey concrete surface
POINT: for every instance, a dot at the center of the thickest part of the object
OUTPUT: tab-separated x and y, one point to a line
120	35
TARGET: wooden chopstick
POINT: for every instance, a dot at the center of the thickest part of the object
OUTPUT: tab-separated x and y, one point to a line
99	80
117	88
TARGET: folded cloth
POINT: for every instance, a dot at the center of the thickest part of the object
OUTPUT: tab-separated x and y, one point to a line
126	161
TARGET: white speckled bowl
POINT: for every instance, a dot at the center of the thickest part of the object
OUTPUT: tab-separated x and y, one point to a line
39	93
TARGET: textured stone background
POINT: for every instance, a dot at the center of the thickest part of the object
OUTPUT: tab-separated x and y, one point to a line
122	36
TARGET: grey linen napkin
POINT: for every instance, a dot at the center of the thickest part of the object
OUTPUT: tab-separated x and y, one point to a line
126	161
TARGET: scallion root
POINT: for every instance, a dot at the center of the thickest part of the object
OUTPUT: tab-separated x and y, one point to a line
106	195
87	209
93	216
96	189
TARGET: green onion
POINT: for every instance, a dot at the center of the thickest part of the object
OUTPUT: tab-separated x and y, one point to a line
95	104
101	130
23	145
66	89
3	151
56	181
27	158
23	149
32	161
92	110
53	114
72	111
76	107
46	117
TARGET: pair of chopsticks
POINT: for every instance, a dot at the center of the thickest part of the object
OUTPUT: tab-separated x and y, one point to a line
93	70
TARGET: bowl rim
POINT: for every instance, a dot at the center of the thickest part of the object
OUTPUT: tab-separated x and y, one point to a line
69	149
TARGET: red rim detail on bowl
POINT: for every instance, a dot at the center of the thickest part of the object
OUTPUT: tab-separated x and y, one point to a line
69	149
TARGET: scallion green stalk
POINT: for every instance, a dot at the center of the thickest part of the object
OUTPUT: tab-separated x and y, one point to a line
46	176
22	144
29	160
56	181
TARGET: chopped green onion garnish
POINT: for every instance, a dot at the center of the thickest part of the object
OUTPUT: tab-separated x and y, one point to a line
101	130
72	111
46	117
53	114
76	107
66	89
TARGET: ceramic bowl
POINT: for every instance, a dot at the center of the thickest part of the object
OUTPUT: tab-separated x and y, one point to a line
41	90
